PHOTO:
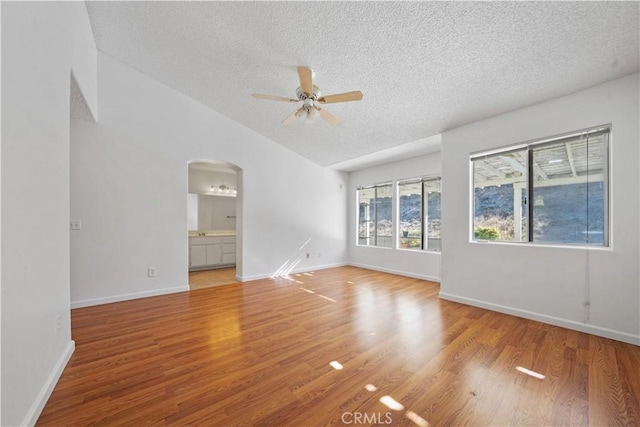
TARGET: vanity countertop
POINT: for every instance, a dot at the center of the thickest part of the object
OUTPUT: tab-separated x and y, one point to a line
212	233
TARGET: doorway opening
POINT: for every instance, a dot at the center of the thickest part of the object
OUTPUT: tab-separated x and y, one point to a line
214	223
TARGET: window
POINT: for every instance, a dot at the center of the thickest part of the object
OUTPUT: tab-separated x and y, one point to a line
500	182
432	191
374	215
553	191
419	204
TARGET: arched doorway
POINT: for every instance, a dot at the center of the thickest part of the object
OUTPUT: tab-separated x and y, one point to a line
214	223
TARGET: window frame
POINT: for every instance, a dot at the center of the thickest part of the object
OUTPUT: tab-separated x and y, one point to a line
375	219
529	147
424	204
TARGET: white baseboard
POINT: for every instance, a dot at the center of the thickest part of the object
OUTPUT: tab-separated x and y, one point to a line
297	270
126	297
38	405
397	272
556	321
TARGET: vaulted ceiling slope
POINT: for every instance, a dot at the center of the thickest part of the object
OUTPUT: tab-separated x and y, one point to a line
424	67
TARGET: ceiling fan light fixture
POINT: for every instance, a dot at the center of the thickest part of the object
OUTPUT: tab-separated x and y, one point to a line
311	112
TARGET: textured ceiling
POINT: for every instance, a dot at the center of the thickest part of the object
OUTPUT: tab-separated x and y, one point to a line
423	67
79	108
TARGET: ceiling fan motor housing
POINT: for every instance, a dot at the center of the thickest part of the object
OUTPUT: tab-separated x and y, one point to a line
302	96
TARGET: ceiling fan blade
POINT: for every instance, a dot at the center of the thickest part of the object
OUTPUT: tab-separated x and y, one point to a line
356	95
274	98
329	118
306	83
291	117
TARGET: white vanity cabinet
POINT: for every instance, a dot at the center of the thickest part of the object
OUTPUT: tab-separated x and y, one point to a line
197	255
229	250
211	251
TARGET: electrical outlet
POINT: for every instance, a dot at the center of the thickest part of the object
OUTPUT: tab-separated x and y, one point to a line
152	272
58	324
75	224
308	255
319	254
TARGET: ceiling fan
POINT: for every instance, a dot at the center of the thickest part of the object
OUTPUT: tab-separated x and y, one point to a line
309	95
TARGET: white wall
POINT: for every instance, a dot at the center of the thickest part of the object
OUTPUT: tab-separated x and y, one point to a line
129	188
550	283
192	212
84	56
420	264
37	50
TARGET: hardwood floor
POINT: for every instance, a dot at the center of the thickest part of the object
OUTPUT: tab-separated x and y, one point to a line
215	277
260	354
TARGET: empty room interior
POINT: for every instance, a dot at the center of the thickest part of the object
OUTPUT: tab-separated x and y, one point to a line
320	213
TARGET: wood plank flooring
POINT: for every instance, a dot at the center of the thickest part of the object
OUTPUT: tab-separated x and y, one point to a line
215	277
259	354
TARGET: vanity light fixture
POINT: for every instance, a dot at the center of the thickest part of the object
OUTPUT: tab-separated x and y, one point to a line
224	190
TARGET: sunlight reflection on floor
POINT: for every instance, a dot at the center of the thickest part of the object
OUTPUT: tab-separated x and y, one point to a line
530	373
336	365
387	400
391	403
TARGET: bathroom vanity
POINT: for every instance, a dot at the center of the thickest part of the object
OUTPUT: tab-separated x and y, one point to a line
211	249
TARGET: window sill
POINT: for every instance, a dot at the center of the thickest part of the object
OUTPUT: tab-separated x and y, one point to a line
420	251
543	245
